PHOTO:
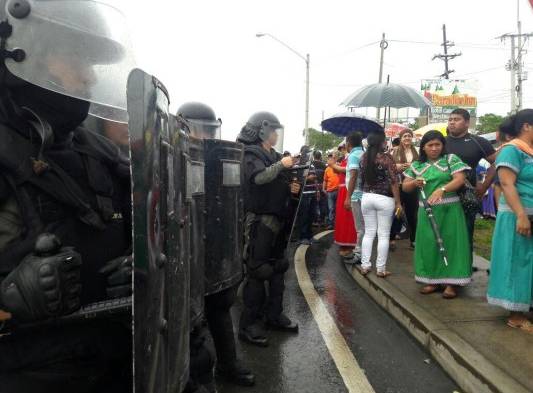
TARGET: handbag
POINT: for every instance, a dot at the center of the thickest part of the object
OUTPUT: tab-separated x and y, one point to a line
467	195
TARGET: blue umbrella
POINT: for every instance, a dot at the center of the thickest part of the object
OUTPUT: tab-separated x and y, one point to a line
345	123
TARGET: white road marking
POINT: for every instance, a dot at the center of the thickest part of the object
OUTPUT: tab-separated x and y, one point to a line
353	376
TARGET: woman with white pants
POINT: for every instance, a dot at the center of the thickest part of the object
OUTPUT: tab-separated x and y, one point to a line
381	200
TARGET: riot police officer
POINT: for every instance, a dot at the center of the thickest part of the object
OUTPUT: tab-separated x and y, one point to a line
64	200
223	266
268	188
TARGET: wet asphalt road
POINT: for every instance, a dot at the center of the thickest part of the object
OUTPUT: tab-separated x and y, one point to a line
392	360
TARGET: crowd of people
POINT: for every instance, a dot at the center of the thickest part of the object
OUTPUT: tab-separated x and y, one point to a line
436	193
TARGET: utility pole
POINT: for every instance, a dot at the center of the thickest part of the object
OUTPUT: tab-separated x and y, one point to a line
515	64
306	132
446	57
383	45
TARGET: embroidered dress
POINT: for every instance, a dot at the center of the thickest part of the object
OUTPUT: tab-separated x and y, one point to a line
511	270
344	226
429	265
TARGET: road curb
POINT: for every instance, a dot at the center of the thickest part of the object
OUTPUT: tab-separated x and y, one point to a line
473	372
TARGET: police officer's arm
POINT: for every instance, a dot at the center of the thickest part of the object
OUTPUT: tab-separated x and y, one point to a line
268	174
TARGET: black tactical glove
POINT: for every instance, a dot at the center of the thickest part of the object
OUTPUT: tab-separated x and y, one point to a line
119	277
45	284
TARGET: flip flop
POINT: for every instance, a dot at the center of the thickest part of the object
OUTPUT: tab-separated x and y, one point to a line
383	274
364	271
428	289
449	294
525	325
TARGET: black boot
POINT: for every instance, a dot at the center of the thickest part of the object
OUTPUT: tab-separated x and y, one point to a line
237	374
254	334
283	323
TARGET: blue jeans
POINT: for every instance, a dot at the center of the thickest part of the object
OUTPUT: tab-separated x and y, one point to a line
332	203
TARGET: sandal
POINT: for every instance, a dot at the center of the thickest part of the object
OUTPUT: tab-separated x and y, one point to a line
449	293
364	271
525	325
383	274
429	289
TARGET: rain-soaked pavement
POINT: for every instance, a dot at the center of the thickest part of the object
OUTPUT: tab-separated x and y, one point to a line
392	361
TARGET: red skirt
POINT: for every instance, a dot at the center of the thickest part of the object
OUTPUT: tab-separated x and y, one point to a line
345	234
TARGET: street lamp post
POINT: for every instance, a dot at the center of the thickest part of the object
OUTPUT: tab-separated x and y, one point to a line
305	58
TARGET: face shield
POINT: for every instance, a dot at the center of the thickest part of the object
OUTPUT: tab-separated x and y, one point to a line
204	129
272	131
78	48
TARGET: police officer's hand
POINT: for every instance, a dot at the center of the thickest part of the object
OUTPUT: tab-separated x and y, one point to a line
119	276
295	188
288	162
45	284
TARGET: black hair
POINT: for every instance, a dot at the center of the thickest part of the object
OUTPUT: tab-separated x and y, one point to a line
355	139
375	145
396	142
512	125
317	155
428	137
461	112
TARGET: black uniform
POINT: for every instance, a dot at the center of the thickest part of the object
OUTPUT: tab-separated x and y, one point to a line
266	207
79	190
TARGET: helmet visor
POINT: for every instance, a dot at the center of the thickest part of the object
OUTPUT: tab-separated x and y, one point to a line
204	129
79	48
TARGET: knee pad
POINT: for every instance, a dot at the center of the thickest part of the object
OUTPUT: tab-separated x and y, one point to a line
262	272
281	265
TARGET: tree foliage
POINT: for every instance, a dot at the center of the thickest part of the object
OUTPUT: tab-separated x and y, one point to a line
323	140
488	123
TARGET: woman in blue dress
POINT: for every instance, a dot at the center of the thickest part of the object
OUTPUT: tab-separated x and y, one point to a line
511	278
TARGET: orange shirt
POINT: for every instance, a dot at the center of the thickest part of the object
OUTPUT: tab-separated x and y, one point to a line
331	179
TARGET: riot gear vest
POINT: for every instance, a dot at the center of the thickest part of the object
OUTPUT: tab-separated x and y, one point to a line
79	190
270	198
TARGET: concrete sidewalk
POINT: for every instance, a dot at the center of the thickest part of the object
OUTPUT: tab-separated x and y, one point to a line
468	337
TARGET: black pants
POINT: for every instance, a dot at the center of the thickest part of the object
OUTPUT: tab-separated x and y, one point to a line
307	215
92	357
323	207
266	262
217	311
202	360
410	204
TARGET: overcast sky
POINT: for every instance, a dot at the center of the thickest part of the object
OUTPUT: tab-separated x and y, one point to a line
207	51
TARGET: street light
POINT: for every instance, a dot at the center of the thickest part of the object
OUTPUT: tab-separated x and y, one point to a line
306	59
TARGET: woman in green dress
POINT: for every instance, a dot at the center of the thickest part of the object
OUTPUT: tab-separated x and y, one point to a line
511	275
440	175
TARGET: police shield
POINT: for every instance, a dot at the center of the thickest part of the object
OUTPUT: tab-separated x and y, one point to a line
196	202
224	205
161	307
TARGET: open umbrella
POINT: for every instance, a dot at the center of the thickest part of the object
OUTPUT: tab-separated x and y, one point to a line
393	129
381	95
442	127
345	123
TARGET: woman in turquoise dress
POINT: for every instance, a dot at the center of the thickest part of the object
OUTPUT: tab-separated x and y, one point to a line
511	275
440	175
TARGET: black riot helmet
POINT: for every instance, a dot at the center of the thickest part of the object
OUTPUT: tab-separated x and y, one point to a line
199	120
259	127
75	48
